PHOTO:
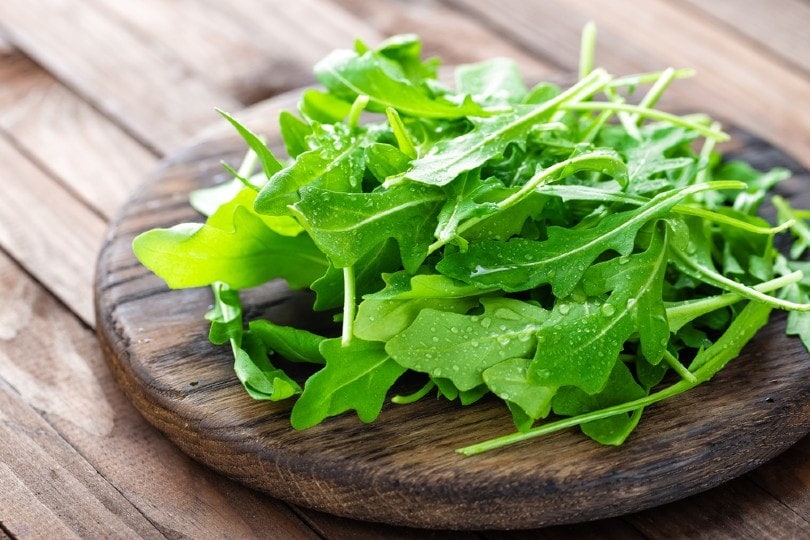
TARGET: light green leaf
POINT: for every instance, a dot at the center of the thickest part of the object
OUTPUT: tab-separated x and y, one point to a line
581	341
348	74
460	347
294	344
356	377
492	82
509	380
563	258
236	251
270	164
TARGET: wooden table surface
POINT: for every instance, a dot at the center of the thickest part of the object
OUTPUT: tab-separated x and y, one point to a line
94	93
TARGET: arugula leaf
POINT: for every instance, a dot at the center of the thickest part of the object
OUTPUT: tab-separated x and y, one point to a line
636	283
510	381
464	202
294	344
460	347
233	247
369	273
367	219
356	377
269	162
493	82
521	264
620	387
383	315
294	133
348	74
337	165
451	157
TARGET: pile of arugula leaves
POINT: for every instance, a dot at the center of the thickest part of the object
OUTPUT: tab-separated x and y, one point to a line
568	251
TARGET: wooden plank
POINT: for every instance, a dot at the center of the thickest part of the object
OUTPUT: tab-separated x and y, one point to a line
337	528
736	80
292	39
788	478
68	138
452	35
138	83
52	235
771	25
604	529
753	515
65	380
213	42
49	490
24	515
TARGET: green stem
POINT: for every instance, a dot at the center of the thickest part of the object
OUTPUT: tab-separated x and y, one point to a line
596	126
644	78
400	133
728	220
645	112
655	92
681	313
416	396
704	156
540	179
587	49
349	305
357	109
679	368
691	267
785	211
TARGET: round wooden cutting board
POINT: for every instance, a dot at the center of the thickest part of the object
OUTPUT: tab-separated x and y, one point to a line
403	469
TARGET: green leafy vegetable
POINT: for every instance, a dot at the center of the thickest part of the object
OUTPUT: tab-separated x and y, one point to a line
574	252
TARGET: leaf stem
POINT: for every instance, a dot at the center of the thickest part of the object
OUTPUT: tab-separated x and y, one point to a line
679	368
357	109
349	305
587	49
651	77
654	94
691	267
415	396
704	156
400	133
681	313
655	114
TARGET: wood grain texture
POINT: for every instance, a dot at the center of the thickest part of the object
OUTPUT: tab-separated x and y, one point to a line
141	69
65	136
76	419
402	468
49	490
218	44
753	516
62	229
442	30
773	20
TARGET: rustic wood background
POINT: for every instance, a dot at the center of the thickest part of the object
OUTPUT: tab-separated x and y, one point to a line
94	93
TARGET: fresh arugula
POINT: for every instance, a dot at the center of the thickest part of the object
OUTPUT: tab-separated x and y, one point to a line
574	252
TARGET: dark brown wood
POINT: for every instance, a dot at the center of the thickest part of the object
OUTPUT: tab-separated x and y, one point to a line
402	469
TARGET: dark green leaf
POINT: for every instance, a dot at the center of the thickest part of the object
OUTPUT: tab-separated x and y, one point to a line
367	219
